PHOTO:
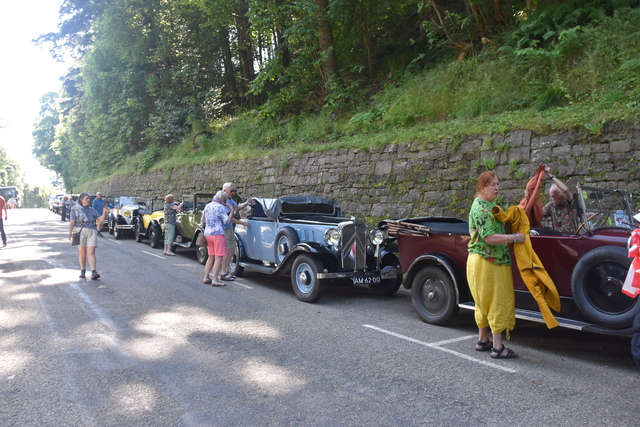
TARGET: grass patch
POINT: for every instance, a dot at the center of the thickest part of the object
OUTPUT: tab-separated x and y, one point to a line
584	80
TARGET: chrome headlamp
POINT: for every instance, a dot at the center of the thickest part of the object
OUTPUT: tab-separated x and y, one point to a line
332	237
376	236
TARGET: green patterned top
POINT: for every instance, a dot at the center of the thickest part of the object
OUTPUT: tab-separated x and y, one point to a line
483	223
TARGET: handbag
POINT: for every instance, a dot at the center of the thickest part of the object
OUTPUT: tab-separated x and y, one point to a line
200	240
75	237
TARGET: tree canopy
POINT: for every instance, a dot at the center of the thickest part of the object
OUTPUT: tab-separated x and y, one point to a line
150	72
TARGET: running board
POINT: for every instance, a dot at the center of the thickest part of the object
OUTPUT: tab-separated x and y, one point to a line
257	267
534	316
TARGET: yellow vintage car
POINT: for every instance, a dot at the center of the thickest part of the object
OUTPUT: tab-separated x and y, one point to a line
149	223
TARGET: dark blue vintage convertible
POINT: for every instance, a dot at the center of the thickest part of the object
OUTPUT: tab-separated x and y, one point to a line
308	238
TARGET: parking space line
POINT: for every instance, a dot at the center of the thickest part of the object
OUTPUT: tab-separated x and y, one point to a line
437	346
149	253
244	286
113	241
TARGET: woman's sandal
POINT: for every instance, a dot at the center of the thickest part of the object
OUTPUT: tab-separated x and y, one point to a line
218	284
484	346
497	354
207	281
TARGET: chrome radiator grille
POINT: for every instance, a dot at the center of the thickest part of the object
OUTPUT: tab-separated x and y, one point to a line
353	241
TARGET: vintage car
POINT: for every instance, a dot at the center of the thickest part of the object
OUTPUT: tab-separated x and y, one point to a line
306	237
588	268
149	223
56	205
53	200
123	214
188	224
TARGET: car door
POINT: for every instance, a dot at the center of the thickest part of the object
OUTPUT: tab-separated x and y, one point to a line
258	239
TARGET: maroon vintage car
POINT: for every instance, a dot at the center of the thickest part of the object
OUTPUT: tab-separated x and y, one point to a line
588	268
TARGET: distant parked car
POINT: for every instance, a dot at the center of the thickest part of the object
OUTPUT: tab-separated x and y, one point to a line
588	268
307	238
52	201
149	223
122	215
188	224
56	205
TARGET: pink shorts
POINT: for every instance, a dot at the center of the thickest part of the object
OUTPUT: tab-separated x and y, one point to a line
216	245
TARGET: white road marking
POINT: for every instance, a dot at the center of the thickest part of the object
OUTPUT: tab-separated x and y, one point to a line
244	286
438	344
149	253
113	241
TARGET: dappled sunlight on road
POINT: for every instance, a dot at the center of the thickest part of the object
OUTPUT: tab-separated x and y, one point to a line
270	379
189	320
133	399
12	360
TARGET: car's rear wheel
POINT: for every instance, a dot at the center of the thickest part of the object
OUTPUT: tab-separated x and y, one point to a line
306	285
434	296
138	231
596	284
202	253
388	287
286	238
154	236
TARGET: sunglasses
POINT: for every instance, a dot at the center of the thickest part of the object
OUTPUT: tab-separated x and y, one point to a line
234	191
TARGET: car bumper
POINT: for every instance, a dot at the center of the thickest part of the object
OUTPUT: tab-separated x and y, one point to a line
358	277
125	226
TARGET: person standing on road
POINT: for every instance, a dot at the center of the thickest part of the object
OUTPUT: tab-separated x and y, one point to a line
230	240
215	215
170	221
83	220
560	209
63	208
3	208
489	269
98	204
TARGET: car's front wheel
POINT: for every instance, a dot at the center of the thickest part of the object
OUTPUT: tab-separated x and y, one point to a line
117	232
138	231
434	296
304	278
596	284
154	236
388	287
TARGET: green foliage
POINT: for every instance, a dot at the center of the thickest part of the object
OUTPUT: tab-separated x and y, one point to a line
167	82
489	163
516	171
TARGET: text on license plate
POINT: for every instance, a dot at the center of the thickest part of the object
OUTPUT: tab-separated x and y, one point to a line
366	280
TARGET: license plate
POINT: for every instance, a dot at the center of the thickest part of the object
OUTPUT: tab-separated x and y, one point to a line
366	280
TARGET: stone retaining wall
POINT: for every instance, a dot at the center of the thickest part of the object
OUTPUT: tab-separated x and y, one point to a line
412	179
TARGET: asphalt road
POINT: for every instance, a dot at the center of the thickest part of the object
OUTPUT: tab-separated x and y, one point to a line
149	345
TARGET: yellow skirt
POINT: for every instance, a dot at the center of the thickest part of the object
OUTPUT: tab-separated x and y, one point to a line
491	286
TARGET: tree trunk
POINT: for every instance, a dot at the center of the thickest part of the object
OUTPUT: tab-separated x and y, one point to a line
244	51
325	38
229	72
